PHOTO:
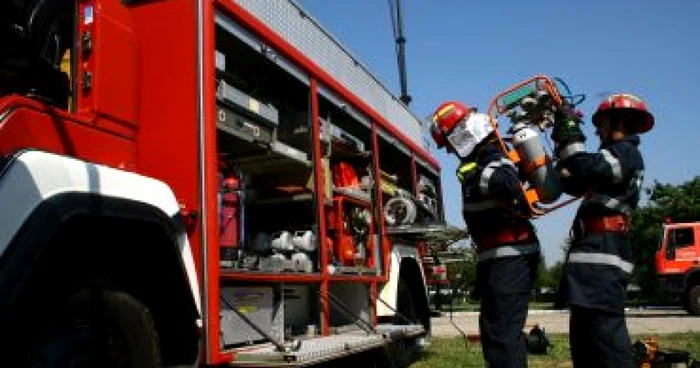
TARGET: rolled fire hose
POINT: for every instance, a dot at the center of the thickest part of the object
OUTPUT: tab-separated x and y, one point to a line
400	211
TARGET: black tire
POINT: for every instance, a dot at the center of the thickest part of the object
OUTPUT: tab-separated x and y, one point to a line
685	300
106	329
693	300
405	304
404	352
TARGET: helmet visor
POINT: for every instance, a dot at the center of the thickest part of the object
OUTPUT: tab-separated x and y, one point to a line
462	140
468	133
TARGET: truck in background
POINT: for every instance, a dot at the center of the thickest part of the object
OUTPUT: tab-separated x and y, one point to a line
678	263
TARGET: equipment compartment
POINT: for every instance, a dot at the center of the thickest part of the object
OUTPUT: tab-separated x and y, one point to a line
350	307
261	97
350	230
312	257
301	312
429	198
245	309
276	218
255	84
260	313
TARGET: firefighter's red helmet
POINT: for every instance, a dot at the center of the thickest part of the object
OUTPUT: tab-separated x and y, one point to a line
445	117
642	121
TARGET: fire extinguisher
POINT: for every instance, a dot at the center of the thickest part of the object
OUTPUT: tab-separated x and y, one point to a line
230	217
536	163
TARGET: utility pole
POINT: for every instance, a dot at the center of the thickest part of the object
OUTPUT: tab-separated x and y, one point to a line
397	23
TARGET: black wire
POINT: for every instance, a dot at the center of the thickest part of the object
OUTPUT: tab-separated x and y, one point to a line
464	335
566	86
574	99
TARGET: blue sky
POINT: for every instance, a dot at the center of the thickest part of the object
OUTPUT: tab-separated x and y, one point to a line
471	50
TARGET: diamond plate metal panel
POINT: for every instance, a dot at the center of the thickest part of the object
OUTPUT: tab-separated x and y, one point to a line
298	28
312	350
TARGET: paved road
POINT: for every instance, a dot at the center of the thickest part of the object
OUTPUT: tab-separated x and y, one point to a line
639	322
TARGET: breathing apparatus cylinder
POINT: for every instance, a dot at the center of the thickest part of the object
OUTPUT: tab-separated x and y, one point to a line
536	163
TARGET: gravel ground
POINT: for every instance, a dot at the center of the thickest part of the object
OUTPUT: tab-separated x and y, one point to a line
639	322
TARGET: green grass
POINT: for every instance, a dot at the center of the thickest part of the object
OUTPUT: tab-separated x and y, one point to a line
452	352
474	307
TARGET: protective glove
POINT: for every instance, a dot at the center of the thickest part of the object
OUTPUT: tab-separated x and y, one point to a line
566	112
567	128
567	132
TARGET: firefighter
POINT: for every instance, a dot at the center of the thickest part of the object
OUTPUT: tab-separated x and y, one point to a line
494	209
599	260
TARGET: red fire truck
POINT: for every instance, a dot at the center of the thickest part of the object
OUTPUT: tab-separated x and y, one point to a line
203	182
678	263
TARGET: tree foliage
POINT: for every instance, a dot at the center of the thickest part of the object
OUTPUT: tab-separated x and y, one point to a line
466	269
463	274
666	202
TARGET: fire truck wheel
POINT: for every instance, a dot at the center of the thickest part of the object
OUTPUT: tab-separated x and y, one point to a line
694	300
106	329
685	302
405	303
403	352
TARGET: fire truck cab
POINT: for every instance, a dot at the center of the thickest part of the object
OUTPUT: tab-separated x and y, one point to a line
678	263
203	182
